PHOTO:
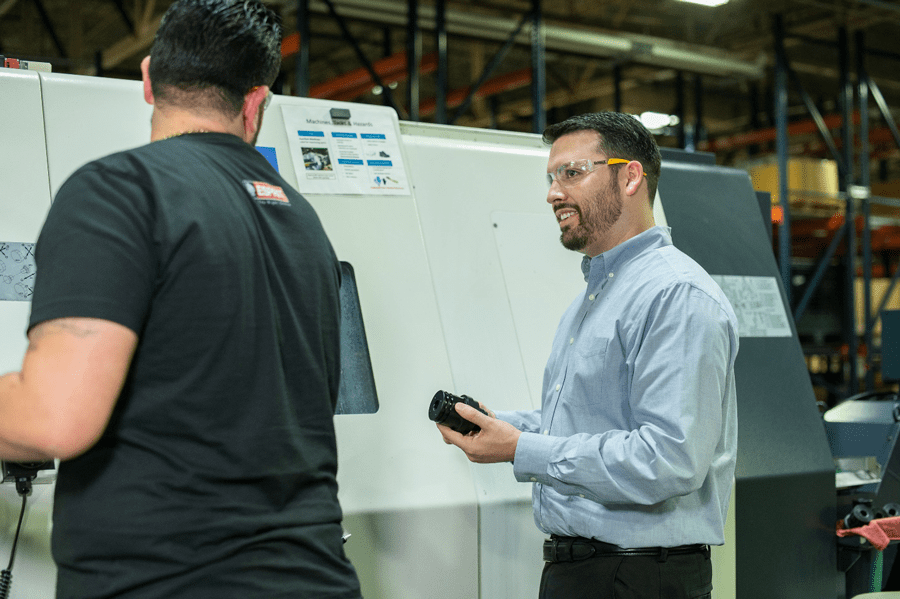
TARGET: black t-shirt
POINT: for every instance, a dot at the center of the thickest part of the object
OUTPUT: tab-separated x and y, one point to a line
215	477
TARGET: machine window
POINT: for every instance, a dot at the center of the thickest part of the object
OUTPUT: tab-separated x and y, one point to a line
356	394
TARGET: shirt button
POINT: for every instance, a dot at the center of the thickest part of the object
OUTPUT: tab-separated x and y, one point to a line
591	297
581	495
533	479
610	275
558	387
546	432
572	340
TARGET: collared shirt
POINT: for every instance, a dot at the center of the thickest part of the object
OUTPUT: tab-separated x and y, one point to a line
636	439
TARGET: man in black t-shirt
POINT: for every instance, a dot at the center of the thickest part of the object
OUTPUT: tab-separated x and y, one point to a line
184	345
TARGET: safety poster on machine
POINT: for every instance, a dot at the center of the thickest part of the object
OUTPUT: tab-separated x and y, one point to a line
757	304
17	271
353	151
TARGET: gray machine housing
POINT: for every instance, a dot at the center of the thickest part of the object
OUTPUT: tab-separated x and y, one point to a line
784	481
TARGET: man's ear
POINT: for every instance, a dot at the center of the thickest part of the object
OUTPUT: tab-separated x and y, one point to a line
145	76
252	104
634	172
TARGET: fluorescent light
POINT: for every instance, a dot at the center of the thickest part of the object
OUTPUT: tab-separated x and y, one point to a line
655	121
707	2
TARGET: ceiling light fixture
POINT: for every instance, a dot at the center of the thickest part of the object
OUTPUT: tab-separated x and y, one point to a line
657	121
707	2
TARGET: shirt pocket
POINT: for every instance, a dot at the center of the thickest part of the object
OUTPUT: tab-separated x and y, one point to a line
587	385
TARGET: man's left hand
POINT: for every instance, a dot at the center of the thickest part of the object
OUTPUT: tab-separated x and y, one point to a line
495	442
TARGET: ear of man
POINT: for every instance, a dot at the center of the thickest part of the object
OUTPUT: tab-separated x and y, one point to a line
634	172
250	111
145	77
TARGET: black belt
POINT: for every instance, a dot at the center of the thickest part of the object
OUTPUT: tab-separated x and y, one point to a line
573	549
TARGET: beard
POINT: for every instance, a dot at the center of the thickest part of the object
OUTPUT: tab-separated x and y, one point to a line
595	218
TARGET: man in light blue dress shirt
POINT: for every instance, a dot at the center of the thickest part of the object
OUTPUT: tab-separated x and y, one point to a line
632	453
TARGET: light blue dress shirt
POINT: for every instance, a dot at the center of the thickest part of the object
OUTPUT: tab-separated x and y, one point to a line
636	439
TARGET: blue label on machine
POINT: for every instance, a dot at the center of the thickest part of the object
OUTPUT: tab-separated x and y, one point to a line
17	270
269	153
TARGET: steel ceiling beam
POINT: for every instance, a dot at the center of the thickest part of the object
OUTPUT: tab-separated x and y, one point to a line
6	6
863	180
649	50
348	37
490	68
413	54
124	14
301	66
780	97
48	25
538	69
128	46
443	66
845	181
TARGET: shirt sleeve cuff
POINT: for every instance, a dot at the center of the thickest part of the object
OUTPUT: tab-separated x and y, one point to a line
510	417
532	458
524	420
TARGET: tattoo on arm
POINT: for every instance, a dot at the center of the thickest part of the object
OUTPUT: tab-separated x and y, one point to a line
80	328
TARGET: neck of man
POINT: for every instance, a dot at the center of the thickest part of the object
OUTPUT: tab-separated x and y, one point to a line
634	220
171	122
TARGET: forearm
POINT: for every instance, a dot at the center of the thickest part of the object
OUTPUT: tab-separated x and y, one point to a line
60	402
21	438
618	467
668	454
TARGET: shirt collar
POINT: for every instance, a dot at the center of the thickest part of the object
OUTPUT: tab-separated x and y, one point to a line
610	260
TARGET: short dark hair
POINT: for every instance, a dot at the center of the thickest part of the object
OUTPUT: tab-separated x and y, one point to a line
210	53
621	136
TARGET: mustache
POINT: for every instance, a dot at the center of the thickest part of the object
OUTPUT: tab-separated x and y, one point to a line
558	207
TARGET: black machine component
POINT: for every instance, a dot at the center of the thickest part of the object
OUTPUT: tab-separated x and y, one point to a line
442	410
862	432
22	474
340	116
861	514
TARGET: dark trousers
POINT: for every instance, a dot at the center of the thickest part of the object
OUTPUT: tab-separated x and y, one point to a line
686	576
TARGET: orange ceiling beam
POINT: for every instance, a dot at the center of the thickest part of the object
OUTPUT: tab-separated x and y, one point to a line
359	81
392	69
879	135
509	81
290	45
761	136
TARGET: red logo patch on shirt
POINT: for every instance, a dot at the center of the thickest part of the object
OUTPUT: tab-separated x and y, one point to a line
266	192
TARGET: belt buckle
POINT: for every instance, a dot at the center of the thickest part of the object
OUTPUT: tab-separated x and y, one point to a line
554	550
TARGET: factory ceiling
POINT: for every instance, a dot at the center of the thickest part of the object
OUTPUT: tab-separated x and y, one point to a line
713	67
